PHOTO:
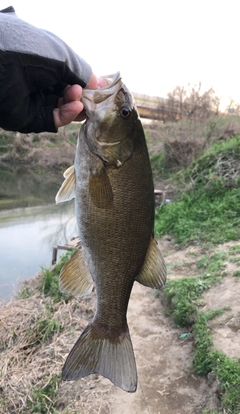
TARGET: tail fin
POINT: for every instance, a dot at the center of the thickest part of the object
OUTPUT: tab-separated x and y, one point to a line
112	359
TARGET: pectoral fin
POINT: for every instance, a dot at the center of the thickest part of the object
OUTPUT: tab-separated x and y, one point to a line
75	278
153	273
99	186
67	189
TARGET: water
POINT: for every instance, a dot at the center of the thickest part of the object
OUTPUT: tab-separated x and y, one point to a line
28	234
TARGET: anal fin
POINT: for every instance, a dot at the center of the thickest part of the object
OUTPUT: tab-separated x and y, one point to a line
153	273
75	278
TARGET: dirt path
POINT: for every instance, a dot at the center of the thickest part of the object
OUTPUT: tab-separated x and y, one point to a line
165	382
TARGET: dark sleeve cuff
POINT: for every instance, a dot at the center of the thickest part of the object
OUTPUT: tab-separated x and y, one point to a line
42	123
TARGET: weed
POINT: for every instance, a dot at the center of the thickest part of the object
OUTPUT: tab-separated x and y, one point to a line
46	329
51	276
72	138
234	260
236	273
159	166
25	293
213	262
234	249
214	313
206	359
228	373
217	169
202	363
184	294
51	145
42	399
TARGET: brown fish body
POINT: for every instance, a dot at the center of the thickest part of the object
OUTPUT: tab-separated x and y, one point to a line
115	215
116	238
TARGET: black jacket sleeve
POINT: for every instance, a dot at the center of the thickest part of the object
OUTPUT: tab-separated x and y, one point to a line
35	67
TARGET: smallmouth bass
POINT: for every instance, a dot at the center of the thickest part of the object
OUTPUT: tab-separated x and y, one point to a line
114	201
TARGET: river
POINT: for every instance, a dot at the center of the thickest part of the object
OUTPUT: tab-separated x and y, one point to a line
30	224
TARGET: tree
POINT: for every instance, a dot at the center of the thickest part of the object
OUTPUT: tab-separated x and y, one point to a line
192	103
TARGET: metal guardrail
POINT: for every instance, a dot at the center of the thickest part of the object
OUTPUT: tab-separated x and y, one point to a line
154	107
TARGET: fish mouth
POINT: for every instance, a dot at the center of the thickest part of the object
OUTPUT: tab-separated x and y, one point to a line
98	102
101	94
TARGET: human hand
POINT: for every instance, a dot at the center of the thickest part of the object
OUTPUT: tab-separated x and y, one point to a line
41	78
69	106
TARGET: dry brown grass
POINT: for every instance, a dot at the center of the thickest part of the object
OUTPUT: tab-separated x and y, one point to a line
31	361
184	141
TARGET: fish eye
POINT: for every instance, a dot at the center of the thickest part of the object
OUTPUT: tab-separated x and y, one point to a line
125	111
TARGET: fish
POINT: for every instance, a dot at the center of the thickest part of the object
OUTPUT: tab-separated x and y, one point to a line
112	183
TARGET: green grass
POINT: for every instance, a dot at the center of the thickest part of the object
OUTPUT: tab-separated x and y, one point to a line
49	287
51	145
208	208
211	412
183	297
43	398
206	360
205	212
158	165
72	138
202	362
212	262
25	293
51	277
233	250
228	373
183	293
234	260
197	217
45	329
216	170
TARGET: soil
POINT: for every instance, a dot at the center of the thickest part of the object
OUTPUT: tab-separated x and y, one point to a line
165	382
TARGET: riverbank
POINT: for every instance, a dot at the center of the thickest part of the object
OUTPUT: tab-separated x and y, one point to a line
186	341
45	150
39	326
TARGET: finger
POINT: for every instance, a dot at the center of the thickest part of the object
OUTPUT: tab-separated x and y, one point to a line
92	84
96	82
72	93
67	113
81	116
102	82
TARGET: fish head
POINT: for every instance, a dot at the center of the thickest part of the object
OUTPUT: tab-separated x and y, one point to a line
111	120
